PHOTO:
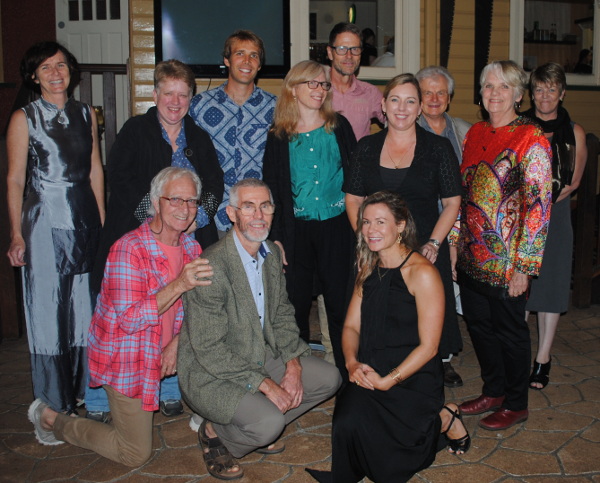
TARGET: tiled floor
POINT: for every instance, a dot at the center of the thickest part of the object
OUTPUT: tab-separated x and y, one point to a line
560	441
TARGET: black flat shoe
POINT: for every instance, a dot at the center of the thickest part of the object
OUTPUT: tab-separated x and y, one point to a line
540	375
461	444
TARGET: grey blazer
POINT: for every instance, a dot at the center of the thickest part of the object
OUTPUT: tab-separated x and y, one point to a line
222	346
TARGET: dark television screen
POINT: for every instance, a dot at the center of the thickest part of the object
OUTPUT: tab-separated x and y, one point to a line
194	32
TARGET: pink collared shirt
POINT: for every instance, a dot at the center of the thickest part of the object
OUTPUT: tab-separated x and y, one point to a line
359	104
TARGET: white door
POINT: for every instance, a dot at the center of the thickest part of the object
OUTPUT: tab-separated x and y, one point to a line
97	32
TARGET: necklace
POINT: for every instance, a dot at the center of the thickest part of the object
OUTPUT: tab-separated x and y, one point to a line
402	154
379	273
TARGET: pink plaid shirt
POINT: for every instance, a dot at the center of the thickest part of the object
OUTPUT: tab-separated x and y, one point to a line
124	344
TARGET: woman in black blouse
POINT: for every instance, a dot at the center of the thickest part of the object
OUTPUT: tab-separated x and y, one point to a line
423	169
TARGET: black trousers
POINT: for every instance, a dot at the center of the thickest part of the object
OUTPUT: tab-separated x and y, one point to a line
502	344
325	248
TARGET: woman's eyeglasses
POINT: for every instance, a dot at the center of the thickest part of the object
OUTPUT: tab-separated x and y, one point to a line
192	202
313	84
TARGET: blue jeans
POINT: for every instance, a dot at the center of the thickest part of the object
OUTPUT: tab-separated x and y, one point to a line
97	400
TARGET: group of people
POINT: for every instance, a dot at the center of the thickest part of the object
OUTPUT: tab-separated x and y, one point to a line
229	210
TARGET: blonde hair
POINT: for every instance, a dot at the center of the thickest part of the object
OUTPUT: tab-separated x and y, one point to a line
287	115
366	259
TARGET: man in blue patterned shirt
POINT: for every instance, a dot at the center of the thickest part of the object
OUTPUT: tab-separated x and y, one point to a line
237	115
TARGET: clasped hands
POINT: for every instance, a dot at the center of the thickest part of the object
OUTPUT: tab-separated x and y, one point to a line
365	376
289	392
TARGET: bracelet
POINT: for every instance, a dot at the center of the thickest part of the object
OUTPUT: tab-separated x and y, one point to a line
435	243
396	375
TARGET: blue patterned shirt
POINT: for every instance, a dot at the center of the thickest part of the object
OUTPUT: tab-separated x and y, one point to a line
239	134
180	160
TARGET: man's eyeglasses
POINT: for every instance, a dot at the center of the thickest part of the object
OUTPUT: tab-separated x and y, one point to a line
343	49
249	209
192	202
313	84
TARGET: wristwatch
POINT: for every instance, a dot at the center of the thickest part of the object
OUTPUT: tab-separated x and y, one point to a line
435	243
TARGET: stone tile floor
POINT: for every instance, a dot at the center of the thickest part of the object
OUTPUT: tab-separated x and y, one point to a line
560	441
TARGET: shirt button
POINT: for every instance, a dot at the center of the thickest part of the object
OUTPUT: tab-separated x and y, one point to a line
317	198
307	135
248	386
260	363
316	182
311	149
315	166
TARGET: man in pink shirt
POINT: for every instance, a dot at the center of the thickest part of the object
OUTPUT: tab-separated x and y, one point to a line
358	101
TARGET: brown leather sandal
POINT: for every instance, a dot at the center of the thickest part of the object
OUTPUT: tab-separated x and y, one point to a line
217	457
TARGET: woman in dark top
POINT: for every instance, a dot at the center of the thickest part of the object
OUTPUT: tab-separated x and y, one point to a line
305	164
422	168
387	424
165	136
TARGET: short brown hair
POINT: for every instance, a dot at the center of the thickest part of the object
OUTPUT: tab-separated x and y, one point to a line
244	36
174	69
551	73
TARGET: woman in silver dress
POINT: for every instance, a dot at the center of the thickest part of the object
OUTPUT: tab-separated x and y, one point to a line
56	210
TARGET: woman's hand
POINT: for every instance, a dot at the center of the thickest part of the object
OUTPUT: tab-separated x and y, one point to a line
380	383
358	372
518	284
16	252
196	273
430	252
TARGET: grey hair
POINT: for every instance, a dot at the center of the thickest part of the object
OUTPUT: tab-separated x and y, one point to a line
508	71
247	183
434	70
170	174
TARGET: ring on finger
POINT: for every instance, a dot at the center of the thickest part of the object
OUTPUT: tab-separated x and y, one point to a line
196	278
357	383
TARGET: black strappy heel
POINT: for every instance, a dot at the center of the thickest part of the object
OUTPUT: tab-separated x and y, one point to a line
461	444
540	375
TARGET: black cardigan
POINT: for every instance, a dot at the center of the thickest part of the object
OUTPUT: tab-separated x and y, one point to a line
276	173
137	155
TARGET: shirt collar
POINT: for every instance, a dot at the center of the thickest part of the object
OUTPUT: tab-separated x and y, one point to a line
263	250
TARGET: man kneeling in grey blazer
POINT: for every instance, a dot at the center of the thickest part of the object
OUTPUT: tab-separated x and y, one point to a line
242	365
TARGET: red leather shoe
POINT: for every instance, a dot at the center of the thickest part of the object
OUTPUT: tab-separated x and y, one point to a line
503	419
481	404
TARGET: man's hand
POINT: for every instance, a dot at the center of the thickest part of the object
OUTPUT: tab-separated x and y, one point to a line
168	358
292	382
276	394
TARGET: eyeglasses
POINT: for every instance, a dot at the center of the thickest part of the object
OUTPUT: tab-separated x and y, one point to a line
342	49
313	84
249	209
192	202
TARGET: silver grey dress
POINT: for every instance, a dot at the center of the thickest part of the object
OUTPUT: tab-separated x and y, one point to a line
60	225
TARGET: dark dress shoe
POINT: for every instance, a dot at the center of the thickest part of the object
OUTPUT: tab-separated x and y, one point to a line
481	405
503	419
451	377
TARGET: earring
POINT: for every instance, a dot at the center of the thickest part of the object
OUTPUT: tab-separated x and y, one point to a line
517	105
295	98
384	113
399	238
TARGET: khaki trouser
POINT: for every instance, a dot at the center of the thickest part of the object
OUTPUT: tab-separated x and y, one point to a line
128	440
257	422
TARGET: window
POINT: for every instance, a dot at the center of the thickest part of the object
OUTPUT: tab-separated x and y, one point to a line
399	19
557	31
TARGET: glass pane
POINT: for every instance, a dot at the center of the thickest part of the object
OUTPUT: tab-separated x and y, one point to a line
86	8
73	10
100	9
561	32
115	9
375	19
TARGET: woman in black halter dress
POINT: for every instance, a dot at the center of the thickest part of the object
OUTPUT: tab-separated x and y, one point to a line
387	422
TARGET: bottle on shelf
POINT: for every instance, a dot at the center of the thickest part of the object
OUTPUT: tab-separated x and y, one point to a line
553	32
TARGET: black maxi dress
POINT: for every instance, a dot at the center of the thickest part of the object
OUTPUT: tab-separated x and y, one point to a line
433	174
388	436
